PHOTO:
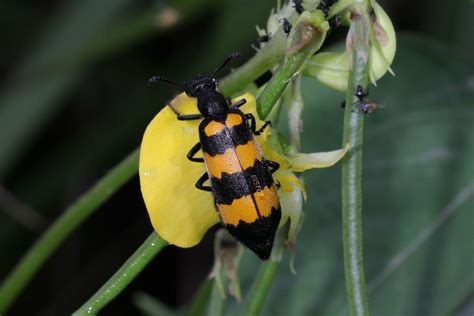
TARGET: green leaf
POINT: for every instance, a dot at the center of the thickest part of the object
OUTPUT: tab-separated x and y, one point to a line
418	185
150	306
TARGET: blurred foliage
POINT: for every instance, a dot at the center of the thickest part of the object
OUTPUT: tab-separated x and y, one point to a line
418	159
74	101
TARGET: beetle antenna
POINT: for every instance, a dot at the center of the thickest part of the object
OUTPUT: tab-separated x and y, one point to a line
156	79
229	58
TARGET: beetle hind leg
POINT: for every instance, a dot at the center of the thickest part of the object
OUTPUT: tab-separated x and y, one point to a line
272	165
193	152
200	183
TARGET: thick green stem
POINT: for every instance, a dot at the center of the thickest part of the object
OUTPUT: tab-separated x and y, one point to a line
264	60
260	287
352	164
126	274
77	213
306	38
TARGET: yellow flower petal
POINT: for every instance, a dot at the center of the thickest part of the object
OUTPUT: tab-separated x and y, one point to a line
179	212
301	162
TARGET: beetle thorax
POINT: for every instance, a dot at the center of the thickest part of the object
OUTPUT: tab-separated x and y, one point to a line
213	105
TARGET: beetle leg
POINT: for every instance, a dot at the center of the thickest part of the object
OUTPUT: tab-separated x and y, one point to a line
193	152
253	124
189	117
272	165
278	185
267	123
200	183
185	117
239	103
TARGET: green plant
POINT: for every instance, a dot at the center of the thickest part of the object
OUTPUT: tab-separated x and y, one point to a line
289	65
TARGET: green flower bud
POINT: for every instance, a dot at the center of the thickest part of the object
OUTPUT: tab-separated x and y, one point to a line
332	68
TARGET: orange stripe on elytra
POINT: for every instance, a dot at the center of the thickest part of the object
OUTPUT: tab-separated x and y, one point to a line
266	200
233	120
233	160
228	162
248	153
243	209
213	127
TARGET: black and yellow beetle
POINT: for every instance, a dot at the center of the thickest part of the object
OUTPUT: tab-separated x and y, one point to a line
241	179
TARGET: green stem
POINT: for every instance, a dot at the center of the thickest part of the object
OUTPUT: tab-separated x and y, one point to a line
260	287
264	60
306	38
126	274
63	226
352	164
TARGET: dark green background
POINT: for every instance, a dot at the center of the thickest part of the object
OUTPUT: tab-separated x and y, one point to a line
74	102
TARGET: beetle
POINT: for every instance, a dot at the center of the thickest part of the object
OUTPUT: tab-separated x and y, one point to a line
264	38
242	184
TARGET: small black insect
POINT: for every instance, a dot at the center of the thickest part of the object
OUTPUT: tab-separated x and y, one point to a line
298	5
366	106
360	93
264	38
325	5
286	26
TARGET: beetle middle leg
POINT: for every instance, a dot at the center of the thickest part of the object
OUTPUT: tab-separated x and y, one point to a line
200	183
272	165
253	124
193	152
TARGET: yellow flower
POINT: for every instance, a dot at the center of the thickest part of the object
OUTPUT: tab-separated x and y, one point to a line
179	212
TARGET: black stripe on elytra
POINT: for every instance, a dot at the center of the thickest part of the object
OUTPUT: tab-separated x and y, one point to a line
235	185
231	137
258	235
